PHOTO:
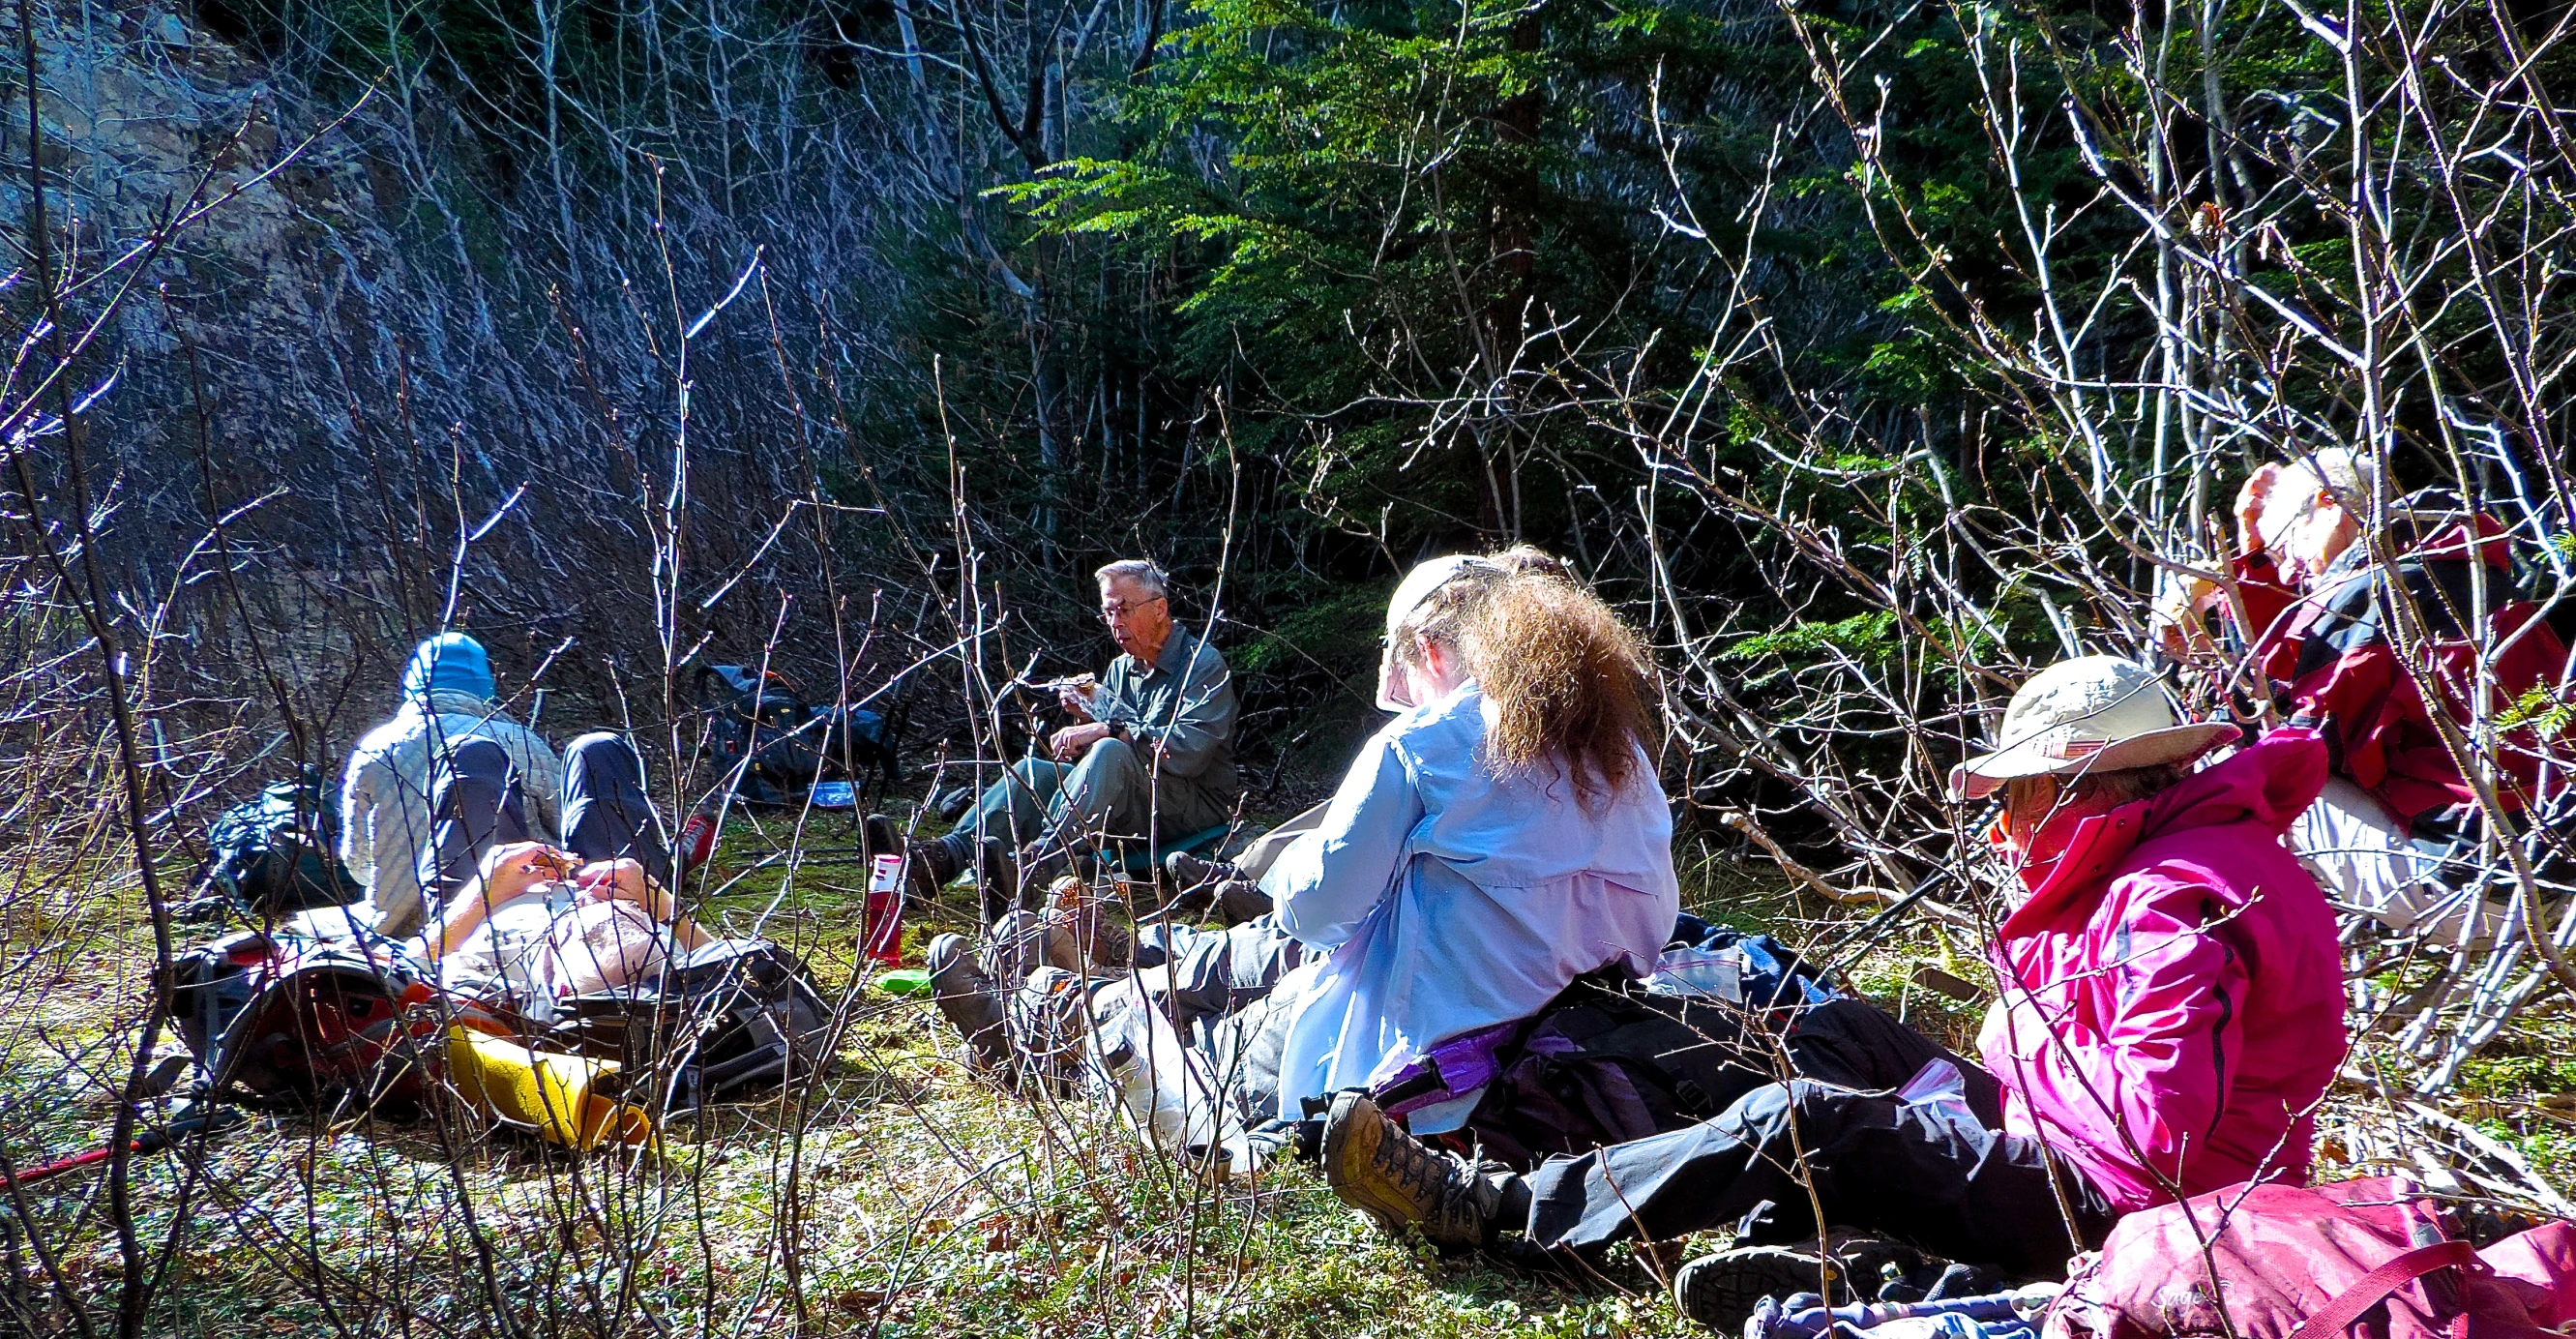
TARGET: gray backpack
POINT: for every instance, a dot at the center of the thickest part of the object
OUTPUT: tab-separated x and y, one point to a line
735	1016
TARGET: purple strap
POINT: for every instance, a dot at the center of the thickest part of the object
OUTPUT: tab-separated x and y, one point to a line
1461	1065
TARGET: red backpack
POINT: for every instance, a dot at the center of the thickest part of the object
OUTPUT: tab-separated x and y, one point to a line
279	1022
2372	1257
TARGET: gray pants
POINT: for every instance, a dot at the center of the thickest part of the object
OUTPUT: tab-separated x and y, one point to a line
476	804
1214	986
1108	792
1211	975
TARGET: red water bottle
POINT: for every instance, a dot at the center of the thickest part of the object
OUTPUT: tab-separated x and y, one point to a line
697	841
882	941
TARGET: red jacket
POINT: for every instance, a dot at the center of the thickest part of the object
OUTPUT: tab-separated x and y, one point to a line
2173	996
2330	652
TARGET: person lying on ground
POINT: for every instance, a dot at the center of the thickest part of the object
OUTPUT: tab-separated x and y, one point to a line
540	921
533	917
1150	753
2171	1011
2321	625
1501	837
387	820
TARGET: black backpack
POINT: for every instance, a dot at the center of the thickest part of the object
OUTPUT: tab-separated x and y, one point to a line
759	725
735	1015
278	854
1609	1062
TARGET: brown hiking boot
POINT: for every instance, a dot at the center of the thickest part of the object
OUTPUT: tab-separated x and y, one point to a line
967	998
1024	941
1396	1179
1081	912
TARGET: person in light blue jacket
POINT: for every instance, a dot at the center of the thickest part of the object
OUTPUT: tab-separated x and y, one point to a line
1503	836
387	815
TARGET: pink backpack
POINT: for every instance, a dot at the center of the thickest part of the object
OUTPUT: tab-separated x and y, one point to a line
2371	1257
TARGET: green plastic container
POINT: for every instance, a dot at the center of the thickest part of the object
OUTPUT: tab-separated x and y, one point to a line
903	981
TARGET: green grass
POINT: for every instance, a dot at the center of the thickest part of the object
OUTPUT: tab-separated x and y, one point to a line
898	1195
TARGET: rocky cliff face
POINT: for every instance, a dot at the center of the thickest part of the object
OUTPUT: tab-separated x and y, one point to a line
144	118
392	340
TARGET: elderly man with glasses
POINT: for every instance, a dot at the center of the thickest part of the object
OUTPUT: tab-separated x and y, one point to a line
1151	753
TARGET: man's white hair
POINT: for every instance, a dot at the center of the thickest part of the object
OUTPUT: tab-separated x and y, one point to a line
1142	571
2353	475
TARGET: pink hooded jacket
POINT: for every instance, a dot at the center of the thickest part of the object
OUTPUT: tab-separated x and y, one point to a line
2186	964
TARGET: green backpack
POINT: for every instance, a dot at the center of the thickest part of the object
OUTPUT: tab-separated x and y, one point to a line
278	854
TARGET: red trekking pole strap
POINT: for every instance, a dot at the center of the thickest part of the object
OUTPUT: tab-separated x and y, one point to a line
2374	1287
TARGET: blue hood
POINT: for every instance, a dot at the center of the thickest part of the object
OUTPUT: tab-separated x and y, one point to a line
450	662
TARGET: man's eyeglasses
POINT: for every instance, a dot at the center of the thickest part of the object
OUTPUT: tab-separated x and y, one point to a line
1118	609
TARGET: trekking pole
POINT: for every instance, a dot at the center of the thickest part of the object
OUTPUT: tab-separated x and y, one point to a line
1858	940
211	1120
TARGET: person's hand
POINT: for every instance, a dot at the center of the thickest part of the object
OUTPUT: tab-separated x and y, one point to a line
1073	741
2176	620
2250	502
615	880
1073	702
517	867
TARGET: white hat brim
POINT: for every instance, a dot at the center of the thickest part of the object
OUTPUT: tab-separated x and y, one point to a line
1979	776
1426	577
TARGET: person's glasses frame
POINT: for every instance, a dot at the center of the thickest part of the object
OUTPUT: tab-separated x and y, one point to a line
1116	610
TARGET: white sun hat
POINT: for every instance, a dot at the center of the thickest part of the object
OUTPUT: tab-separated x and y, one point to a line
2089	714
1409	594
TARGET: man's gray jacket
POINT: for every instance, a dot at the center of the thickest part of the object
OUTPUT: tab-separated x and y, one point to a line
1181	709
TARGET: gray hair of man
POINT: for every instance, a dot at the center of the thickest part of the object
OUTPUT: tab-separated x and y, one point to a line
1141	571
2352	476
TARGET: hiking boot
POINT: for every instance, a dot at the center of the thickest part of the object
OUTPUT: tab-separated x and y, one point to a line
927	866
935	864
1082	916
1396	1179
1024	941
1956	1281
1241	900
879	835
1720	1291
997	872
968	1000
1190	874
1212	885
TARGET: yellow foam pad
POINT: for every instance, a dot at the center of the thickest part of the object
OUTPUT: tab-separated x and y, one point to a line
542	1091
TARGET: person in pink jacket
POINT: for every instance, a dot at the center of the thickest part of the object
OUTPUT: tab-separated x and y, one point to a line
2170	1011
2131	1035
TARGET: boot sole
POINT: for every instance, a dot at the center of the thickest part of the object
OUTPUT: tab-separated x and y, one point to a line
1721	1291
